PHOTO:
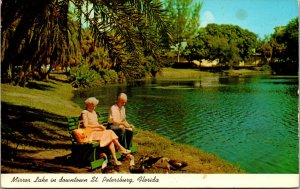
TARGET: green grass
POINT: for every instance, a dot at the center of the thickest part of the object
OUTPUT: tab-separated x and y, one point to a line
52	96
35	137
198	161
172	73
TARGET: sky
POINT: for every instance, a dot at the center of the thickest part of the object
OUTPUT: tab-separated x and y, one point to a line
258	16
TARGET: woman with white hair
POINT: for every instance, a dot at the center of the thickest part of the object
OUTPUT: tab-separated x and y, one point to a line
97	132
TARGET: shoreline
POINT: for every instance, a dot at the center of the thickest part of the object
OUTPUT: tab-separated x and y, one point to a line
47	149
176	73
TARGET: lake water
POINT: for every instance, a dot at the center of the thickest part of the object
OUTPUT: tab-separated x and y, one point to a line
251	122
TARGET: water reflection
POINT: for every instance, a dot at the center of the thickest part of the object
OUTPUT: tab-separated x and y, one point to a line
248	121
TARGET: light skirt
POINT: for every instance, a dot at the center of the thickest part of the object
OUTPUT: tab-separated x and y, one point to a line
105	137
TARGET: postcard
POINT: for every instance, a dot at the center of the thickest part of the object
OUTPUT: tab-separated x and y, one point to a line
150	94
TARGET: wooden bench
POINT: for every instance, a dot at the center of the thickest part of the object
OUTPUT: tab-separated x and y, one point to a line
88	154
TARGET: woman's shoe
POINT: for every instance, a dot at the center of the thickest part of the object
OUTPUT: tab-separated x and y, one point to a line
125	151
118	163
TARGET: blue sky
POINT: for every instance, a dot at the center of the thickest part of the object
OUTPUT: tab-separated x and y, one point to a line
258	16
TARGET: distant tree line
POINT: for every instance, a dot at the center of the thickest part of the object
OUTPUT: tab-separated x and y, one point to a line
231	45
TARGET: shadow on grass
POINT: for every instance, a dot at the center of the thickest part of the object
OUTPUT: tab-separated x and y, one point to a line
27	131
58	78
20	164
39	86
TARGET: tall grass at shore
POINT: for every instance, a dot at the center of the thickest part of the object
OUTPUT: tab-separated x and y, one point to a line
35	137
171	73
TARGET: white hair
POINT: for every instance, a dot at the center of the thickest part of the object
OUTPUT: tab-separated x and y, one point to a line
122	96
91	100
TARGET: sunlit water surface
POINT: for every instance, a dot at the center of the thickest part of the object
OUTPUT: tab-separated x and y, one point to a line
248	121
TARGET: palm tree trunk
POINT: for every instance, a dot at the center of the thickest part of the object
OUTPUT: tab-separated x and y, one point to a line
178	52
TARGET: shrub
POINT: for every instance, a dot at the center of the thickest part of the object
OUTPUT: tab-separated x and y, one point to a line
266	68
153	66
109	76
82	76
134	68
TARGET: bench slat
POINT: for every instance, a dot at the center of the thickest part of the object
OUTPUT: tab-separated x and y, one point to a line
71	128
73	123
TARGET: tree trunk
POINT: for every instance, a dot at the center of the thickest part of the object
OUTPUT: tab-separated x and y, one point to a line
178	52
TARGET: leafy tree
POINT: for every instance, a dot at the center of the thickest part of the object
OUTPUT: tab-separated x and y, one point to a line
196	48
290	39
228	43
185	20
284	42
281	49
265	49
224	50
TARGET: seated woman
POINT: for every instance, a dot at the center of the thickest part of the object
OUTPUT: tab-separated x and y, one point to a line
97	132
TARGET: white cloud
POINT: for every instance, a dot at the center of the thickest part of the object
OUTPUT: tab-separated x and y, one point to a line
207	18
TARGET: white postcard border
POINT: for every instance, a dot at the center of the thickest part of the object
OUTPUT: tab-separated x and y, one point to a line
149	180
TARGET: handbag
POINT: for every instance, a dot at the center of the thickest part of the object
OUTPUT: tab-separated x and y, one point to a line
80	134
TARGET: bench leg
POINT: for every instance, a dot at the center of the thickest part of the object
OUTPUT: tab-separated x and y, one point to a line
97	163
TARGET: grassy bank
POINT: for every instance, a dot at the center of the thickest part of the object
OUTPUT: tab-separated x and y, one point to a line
182	73
35	138
173	73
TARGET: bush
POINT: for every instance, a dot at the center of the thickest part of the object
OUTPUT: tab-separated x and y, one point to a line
82	76
266	68
134	68
109	76
153	66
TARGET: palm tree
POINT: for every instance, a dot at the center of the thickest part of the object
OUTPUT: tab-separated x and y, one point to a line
128	29
44	32
30	40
